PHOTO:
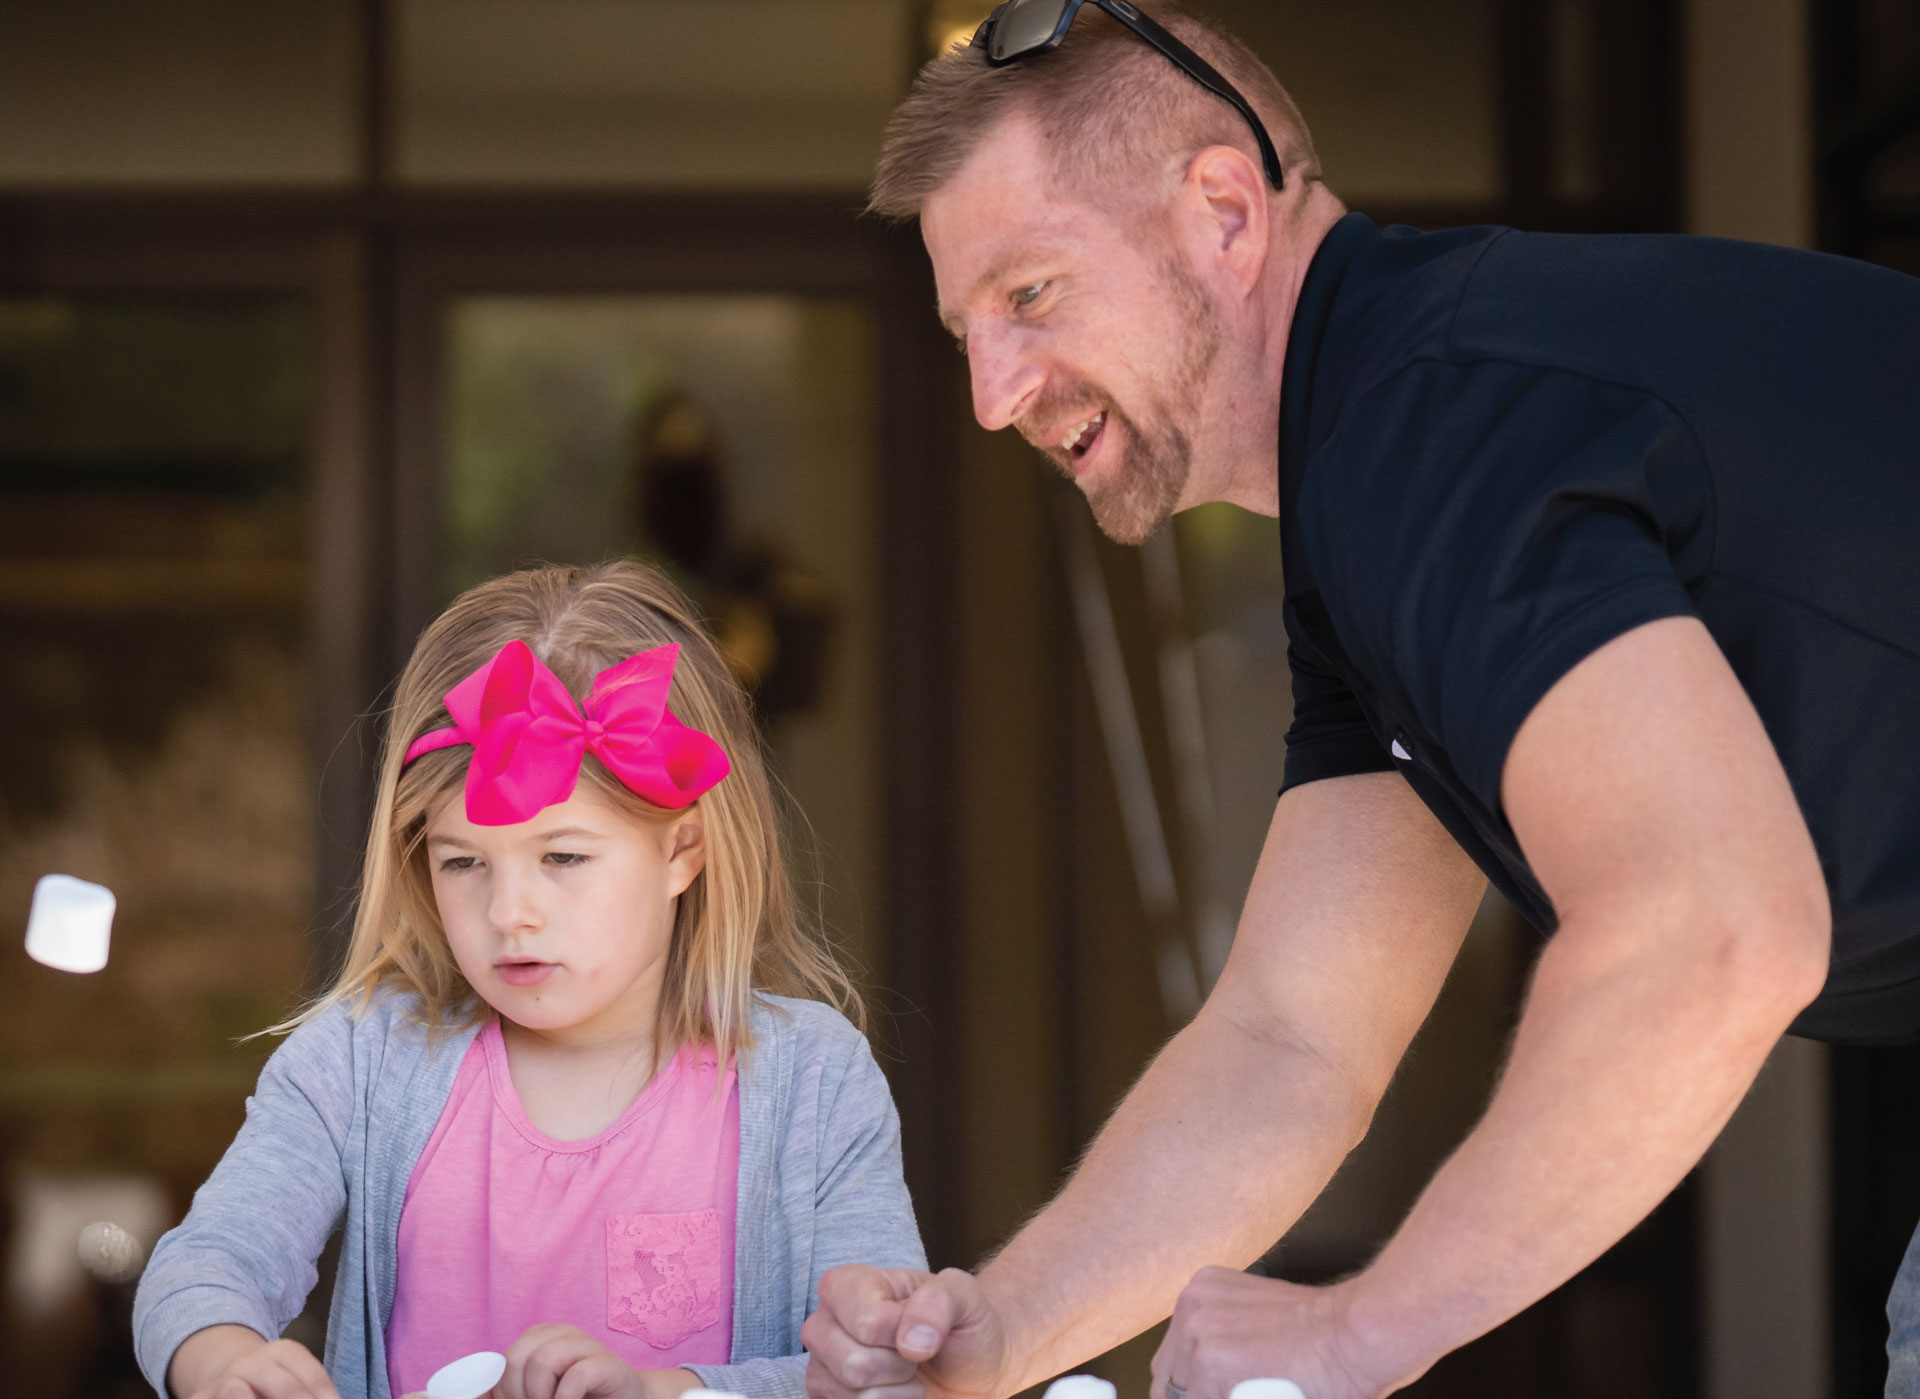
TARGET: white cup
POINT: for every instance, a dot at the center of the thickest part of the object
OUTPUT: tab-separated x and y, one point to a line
69	924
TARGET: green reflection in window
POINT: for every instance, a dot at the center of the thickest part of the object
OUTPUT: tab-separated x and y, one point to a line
205	395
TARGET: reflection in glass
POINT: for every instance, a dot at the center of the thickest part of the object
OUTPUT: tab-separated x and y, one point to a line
728	440
152	603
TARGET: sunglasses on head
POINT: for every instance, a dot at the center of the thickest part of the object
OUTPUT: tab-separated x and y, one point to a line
1021	28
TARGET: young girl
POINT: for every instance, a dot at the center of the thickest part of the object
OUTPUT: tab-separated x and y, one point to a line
556	1097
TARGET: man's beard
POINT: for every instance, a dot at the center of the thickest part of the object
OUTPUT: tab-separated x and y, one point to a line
1142	486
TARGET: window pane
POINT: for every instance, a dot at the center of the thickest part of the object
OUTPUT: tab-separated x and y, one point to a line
152	586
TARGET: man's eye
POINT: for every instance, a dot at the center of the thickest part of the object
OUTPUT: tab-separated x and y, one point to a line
1028	294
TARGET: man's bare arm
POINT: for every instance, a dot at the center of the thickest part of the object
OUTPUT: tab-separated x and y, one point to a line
1693	927
1357	910
1355	914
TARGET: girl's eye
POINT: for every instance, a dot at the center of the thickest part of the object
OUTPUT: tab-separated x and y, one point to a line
455	863
1028	294
565	859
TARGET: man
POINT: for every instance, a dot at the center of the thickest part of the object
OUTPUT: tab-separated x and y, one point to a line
1603	580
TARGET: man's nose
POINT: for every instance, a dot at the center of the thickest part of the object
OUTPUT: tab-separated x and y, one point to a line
1005	377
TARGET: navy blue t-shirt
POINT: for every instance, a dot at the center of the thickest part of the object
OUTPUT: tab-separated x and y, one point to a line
1500	450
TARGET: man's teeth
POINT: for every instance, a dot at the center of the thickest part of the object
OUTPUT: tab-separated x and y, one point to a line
1082	432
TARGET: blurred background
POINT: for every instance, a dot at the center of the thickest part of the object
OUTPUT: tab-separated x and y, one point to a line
314	312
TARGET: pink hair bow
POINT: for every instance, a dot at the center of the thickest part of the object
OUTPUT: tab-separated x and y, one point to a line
529	736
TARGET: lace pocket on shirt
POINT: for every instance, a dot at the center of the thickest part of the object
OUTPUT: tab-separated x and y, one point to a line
664	1274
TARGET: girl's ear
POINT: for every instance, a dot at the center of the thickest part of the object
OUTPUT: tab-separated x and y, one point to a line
686	850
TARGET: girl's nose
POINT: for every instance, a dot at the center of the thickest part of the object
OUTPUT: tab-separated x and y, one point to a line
511	904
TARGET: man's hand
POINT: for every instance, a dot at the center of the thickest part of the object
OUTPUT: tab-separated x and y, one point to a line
234	1362
564	1362
1229	1326
895	1333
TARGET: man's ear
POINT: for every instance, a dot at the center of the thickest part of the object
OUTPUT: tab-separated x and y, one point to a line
1226	196
686	850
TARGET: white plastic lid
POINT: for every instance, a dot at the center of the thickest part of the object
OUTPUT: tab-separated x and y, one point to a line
1080	1387
69	924
1266	1389
469	1377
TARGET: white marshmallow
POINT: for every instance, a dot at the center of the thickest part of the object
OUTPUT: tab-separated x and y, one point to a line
469	1377
1080	1387
69	924
1266	1389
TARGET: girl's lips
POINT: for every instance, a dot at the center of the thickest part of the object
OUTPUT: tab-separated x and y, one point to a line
524	973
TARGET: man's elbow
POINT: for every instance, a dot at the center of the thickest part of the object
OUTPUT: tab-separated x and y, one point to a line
1350	1094
1773	949
1339	1091
1797	958
1756	951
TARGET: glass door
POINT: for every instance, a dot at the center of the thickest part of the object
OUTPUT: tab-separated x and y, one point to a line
729	439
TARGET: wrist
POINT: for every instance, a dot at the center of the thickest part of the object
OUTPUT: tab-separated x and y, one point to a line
205	1355
662	1384
1021	1362
1385	1341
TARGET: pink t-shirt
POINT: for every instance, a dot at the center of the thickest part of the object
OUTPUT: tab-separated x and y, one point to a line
627	1235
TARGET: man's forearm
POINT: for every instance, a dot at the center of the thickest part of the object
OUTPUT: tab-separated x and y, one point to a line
1624	1070
1220	1146
1243	1118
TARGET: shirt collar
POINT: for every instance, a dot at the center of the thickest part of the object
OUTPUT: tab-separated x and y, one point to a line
1312	314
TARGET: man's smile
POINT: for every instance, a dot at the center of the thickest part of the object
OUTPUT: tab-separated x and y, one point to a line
1068	442
1079	439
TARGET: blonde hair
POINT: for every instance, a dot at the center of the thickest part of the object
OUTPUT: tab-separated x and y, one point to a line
737	929
1108	105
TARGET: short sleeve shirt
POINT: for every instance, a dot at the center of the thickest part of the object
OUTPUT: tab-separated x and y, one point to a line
1499	451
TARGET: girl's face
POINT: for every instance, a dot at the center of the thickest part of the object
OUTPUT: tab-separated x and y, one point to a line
563	923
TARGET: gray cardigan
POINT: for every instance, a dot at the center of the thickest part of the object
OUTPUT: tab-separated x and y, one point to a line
344	1108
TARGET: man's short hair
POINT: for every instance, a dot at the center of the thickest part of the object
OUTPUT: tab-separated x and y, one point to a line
1109	106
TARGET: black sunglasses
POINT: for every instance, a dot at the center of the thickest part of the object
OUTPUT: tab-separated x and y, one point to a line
1021	28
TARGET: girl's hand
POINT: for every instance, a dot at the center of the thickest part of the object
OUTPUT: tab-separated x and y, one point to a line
231	1362
564	1362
